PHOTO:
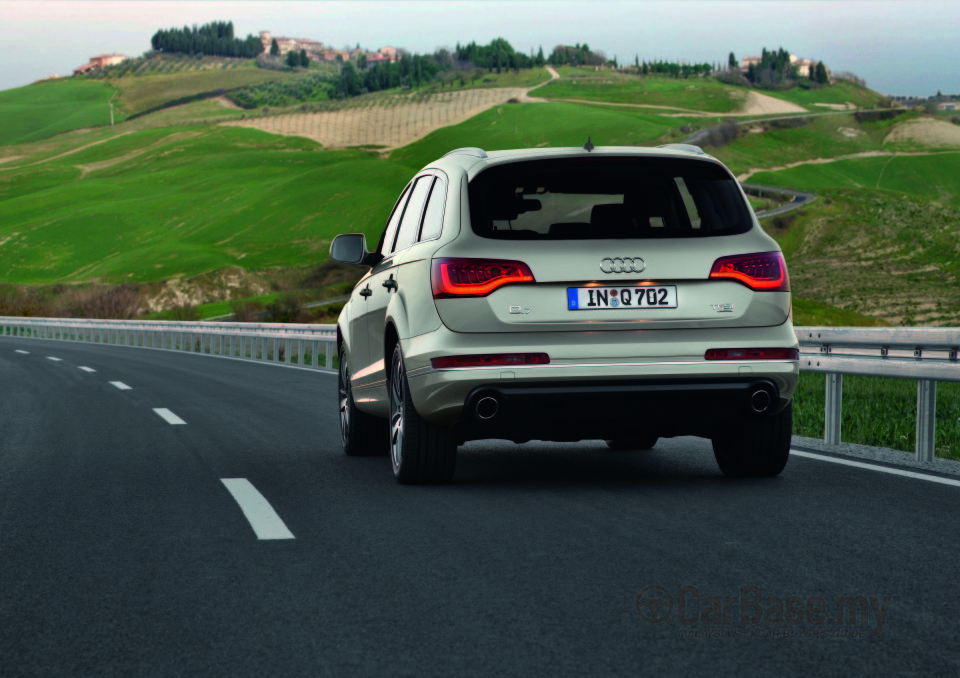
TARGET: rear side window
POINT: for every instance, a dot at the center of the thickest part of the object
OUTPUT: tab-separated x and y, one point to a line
410	225
433	217
390	232
605	198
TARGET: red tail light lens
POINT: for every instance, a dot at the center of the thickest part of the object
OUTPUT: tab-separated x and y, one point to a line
752	354
763	272
476	277
491	360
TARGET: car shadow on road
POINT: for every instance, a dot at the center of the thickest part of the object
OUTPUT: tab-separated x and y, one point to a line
586	464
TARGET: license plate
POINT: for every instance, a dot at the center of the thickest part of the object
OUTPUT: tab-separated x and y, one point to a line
619	298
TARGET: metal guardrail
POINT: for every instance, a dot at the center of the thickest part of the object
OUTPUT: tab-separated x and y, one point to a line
927	354
282	343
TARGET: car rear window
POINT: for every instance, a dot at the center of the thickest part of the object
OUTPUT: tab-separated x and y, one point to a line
606	198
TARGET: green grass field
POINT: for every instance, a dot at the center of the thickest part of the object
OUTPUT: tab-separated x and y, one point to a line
829	136
816	314
840	92
538	125
695	94
933	177
53	107
148	92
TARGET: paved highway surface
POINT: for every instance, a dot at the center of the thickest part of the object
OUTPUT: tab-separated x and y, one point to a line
123	551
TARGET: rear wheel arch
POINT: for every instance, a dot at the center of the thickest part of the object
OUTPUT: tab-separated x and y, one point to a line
390	339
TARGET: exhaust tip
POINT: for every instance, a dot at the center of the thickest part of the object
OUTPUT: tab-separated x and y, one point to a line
760	401
487	408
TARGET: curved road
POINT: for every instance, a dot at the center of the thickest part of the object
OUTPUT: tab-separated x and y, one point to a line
124	553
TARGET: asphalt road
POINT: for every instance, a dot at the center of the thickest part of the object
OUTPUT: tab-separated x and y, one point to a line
123	553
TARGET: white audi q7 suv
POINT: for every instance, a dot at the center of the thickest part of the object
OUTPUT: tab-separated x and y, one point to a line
564	294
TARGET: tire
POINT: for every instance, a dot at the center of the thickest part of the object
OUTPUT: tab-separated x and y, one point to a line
757	448
420	452
362	434
642	442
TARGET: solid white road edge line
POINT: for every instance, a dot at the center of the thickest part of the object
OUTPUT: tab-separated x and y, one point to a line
261	516
23	352
168	416
86	369
124	387
50	357
882	469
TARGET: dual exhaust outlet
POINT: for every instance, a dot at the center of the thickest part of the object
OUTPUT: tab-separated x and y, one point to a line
761	399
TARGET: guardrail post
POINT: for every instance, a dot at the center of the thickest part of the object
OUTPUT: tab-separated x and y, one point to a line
926	419
328	361
833	409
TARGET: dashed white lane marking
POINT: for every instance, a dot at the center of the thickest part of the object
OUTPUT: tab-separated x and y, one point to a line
86	369
50	357
23	352
882	469
124	387
168	416
261	516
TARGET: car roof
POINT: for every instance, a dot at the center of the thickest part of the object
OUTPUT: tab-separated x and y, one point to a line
474	160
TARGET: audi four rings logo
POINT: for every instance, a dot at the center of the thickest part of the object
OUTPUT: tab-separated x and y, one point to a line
622	265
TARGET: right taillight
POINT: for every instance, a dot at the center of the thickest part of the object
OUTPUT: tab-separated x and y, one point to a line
763	272
752	354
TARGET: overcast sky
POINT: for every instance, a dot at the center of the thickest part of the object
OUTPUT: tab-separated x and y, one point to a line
898	46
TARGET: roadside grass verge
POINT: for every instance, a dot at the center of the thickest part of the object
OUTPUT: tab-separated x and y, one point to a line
45	109
878	412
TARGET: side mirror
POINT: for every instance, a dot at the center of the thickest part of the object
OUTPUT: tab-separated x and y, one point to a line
351	248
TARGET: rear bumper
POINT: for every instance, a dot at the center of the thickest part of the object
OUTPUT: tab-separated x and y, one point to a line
621	409
603	361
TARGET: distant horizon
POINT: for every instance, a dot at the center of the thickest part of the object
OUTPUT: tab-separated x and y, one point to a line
899	48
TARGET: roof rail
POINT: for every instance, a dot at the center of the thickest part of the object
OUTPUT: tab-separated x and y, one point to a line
476	152
689	148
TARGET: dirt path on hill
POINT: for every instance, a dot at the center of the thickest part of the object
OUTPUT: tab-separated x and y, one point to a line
823	161
754	104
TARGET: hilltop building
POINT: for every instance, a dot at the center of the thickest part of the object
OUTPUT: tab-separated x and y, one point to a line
101	61
805	67
317	52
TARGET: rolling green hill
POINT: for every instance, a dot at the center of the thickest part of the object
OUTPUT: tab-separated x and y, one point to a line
167	195
160	203
52	107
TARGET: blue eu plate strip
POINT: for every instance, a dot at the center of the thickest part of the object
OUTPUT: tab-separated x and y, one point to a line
573	301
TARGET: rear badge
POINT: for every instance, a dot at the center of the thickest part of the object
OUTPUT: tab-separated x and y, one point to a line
722	308
518	309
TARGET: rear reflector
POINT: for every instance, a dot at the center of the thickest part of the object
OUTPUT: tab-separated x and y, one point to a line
763	272
752	354
490	360
476	277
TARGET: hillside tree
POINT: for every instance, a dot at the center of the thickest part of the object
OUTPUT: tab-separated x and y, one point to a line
274	48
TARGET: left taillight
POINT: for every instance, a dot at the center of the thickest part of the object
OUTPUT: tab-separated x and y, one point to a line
453	278
762	272
490	360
